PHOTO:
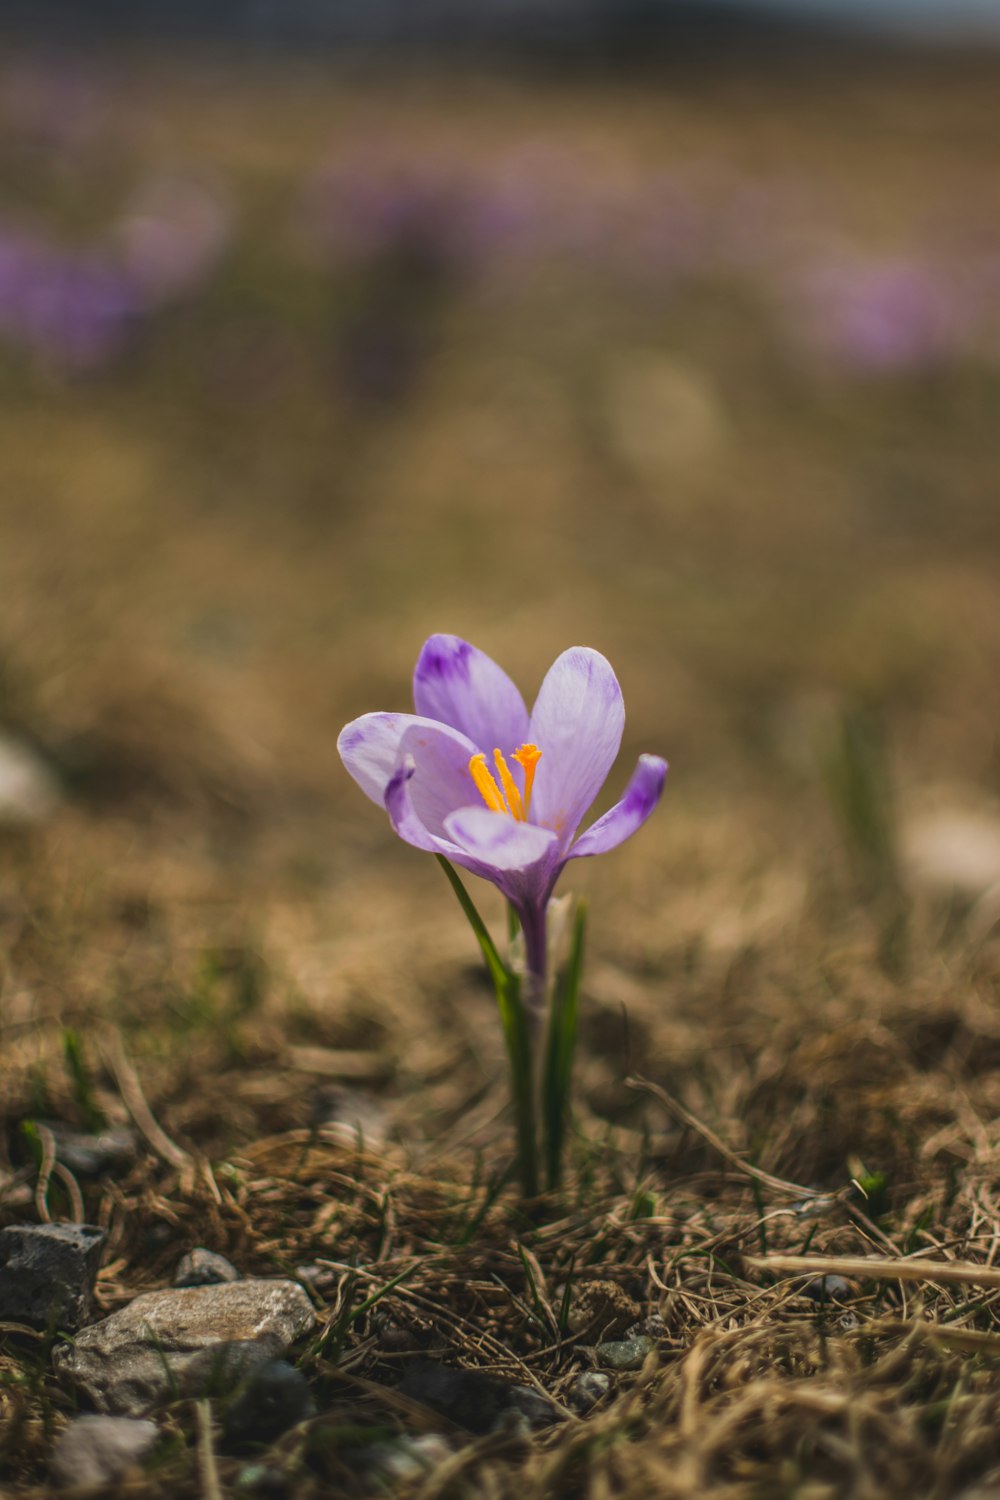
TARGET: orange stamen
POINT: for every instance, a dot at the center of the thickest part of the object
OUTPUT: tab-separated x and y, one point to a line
485	784
527	757
510	800
509	785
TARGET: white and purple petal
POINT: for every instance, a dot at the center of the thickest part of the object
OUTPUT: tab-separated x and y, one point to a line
442	781
411	828
577	723
499	842
621	821
461	686
370	748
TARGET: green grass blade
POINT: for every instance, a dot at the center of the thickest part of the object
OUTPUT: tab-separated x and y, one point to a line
499	972
83	1087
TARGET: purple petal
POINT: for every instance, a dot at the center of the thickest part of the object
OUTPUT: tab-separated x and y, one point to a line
621	821
461	686
498	842
577	723
399	806
370	749
407	823
441	781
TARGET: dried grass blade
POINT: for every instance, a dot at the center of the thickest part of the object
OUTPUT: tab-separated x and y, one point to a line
686	1118
130	1089
964	1273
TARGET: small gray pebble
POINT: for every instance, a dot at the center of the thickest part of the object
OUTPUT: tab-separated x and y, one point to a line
512	1424
827	1289
474	1399
654	1326
250	1477
201	1267
534	1407
88	1155
625	1354
315	1277
407	1457
259	1479
350	1114
587	1389
94	1452
470	1398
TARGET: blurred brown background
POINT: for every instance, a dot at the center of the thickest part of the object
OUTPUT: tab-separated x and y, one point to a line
306	353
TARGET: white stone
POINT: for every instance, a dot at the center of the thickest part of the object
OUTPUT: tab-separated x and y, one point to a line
180	1339
96	1451
29	792
953	849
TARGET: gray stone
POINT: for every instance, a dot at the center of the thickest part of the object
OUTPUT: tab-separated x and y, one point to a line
168	1343
473	1399
407	1457
827	1289
512	1424
95	1452
273	1398
261	1479
88	1155
587	1389
219	1369
204	1268
318	1278
536	1409
625	1354
350	1115
47	1273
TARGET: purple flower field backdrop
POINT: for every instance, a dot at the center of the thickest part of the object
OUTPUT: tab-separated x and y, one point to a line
300	364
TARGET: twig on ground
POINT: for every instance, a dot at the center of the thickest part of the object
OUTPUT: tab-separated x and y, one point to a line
962	1272
130	1089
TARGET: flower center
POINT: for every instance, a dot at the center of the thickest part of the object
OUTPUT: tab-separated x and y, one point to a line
509	799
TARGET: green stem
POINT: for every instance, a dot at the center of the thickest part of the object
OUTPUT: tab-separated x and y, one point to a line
557	1072
518	1023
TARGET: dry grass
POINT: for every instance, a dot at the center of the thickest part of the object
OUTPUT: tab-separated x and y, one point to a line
209	560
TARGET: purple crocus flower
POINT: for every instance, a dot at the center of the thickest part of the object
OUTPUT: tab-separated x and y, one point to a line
475	778
883	316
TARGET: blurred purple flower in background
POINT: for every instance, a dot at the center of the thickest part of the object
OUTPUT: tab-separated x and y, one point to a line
403	225
80	308
72	309
53	103
881	316
173	236
370	204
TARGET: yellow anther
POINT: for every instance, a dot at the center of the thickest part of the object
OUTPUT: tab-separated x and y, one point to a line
509	800
485	784
527	757
510	790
